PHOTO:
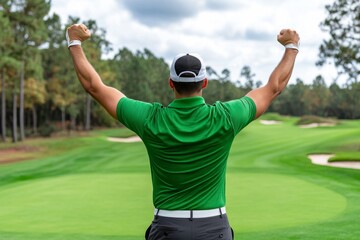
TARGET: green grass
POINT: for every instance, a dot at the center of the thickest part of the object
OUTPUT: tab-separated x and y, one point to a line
74	204
89	188
346	156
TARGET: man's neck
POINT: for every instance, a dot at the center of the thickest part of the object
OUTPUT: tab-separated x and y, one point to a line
196	94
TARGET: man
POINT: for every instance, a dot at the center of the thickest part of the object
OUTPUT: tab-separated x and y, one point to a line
188	141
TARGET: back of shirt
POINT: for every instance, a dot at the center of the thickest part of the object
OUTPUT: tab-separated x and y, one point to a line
188	144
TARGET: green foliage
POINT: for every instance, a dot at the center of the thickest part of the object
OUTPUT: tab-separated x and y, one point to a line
102	117
246	74
35	94
343	45
317	96
142	75
317	99
6	35
221	91
7	43
220	88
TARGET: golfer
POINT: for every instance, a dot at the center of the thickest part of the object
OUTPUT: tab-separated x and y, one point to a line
188	141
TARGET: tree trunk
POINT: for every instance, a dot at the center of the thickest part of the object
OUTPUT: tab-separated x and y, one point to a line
63	119
34	115
14	132
72	126
3	106
88	112
73	122
22	128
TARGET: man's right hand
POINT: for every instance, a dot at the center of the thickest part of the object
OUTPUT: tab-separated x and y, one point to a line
288	36
77	33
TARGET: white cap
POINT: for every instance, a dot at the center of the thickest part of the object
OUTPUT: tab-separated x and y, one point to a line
188	67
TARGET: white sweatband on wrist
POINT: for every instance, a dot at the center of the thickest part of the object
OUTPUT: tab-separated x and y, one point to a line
71	42
292	46
74	42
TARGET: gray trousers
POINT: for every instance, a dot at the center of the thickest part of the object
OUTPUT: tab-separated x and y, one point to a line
166	228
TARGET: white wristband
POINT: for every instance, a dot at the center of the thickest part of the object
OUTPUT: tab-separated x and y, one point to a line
74	42
292	46
71	42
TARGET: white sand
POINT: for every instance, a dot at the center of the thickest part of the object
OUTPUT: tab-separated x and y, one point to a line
269	122
314	125
125	140
322	159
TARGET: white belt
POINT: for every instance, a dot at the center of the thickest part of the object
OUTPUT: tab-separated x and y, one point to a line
190	213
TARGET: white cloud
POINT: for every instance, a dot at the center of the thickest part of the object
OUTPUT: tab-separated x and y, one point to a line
228	34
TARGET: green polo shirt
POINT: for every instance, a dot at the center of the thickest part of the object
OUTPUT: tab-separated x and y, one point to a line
188	144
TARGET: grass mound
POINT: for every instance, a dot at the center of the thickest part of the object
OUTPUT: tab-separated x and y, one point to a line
272	117
310	119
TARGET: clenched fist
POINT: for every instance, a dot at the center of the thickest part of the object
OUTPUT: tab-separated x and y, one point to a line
288	36
76	34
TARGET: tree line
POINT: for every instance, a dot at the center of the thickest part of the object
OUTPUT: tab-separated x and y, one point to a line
40	91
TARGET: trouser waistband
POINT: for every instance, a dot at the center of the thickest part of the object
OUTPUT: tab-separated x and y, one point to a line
190	213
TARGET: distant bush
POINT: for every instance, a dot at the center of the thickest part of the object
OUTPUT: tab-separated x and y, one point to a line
309	119
46	130
272	116
103	118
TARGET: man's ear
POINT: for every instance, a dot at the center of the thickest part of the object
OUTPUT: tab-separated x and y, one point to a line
171	84
205	83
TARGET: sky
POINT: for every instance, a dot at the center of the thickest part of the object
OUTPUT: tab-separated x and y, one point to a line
228	34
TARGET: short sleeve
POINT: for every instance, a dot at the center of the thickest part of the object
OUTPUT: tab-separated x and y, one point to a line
242	111
133	114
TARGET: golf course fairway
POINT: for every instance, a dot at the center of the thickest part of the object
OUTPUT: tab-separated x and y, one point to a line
108	201
90	188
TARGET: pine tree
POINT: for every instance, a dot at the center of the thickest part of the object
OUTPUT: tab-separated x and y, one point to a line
343	45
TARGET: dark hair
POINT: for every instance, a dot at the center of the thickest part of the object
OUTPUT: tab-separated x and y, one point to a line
188	87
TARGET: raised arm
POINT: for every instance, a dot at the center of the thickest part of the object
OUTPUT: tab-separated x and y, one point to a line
107	96
280	76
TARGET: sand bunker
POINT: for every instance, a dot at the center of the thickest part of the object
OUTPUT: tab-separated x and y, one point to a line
322	159
269	122
125	140
314	125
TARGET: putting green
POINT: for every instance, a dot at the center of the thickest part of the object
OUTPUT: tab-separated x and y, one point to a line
258	202
91	204
120	204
